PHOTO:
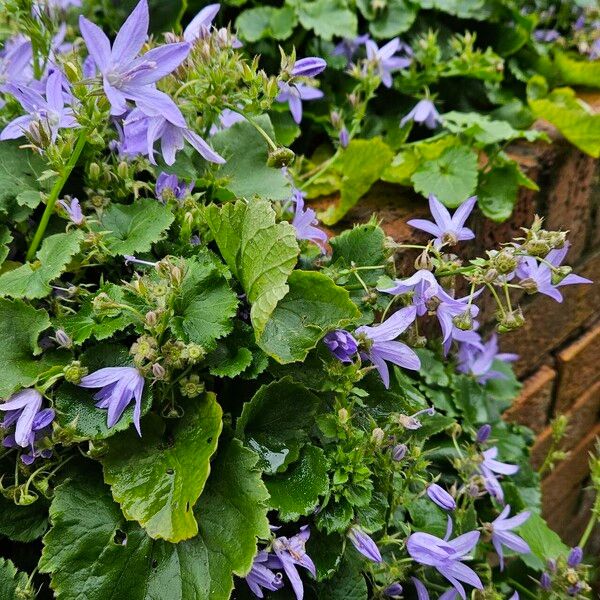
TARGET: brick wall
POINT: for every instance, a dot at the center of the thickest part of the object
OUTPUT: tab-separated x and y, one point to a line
560	343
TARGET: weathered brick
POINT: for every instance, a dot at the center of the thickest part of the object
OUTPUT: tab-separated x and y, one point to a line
583	416
577	368
548	324
569	200
533	403
567	476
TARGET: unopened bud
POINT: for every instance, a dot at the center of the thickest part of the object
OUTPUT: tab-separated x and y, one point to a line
423	261
505	261
62	339
280	157
483	433
151	318
94	172
176	275
490	275
123	170
158	371
336	120
399	452
73	372
377	436
343	416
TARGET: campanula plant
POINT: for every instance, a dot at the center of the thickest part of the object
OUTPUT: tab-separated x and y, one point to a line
205	393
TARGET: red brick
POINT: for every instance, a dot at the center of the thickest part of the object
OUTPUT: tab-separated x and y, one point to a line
548	324
577	368
583	416
533	403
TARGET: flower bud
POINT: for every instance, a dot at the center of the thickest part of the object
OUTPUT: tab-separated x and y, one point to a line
343	416
73	372
424	262
393	591
546	582
335	118
158	371
344	137
441	497
490	275
123	170
377	436
151	318
399	452
62	339
483	434
280	157
575	556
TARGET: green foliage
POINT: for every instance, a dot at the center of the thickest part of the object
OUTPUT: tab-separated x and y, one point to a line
328	18
393	19
157	480
544	542
14	584
574	71
260	253
135	227
32	280
23	523
276	423
266	22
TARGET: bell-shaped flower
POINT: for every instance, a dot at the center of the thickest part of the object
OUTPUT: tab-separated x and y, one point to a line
489	468
503	536
294	94
385	59
478	359
425	113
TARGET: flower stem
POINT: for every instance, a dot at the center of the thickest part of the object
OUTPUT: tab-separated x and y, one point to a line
55	193
588	530
254	124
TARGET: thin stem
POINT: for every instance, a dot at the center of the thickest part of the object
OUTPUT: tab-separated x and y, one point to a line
254	124
322	169
497	298
55	193
588	530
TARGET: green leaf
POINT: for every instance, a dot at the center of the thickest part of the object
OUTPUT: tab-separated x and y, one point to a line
396	17
260	252
347	584
32	280
326	552
543	542
23	523
86	323
14	584
266	22
498	190
133	228
246	173
19	172
574	71
286	129
427	517
20	327
157	480
206	305
276	423
328	18
452	177
335	517
466	9
568	114
5	239
75	407
92	552
313	306
296	492
362	163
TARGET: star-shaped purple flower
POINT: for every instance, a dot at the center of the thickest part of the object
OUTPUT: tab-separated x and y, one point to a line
447	229
537	276
305	223
15	62
489	468
446	557
341	344
262	577
349	46
503	536
384	60
73	209
424	112
477	359
294	94
381	346
127	76
49	112
120	385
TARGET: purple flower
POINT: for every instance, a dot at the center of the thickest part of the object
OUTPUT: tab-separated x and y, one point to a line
199	26
15	62
423	285
546	582
73	209
446	557
447	229
292	552
49	113
575	557
537	276
127	76
262	577
341	344
546	35
348	46
168	186
382	348
423	594
344	137
305	222
503	536
120	385
595	50
364	544
413	422
227	118
384	60
141	133
441	497
311	66
393	591
423	112
483	434
399	452
294	94
477	360
489	468
24	410
450	308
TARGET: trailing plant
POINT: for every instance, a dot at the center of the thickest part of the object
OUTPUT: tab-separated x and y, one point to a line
206	397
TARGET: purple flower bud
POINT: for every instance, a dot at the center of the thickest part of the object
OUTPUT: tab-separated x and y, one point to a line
364	544
545	581
483	434
393	591
575	556
574	590
344	137
441	497
399	452
551	564
342	344
310	66
62	339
